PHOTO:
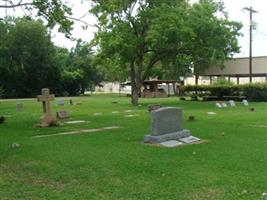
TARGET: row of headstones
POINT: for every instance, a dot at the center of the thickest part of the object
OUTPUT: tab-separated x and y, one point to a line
231	103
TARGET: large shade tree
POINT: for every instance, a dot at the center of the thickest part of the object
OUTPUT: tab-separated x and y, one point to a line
143	35
53	11
27	58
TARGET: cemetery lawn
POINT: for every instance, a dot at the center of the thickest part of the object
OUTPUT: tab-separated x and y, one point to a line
114	164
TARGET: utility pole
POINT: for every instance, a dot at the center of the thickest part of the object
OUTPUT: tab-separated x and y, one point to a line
251	11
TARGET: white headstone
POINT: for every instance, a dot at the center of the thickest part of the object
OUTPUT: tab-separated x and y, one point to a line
211	113
60	102
231	103
245	102
190	139
224	105
218	105
171	143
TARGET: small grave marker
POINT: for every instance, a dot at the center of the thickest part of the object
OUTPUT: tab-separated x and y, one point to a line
189	139
62	114
245	102
71	102
153	107
218	105
75	122
171	143
19	107
211	113
224	105
60	102
97	114
231	103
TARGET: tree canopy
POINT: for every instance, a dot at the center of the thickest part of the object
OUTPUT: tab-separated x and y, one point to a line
52	11
30	61
145	36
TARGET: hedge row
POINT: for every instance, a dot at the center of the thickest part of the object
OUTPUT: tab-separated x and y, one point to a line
253	92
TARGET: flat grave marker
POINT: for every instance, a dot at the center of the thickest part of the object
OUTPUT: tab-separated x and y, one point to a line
62	114
75	122
171	143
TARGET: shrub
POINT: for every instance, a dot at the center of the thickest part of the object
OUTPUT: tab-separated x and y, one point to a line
254	92
1	91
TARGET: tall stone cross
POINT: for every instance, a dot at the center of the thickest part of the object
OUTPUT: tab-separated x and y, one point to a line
47	119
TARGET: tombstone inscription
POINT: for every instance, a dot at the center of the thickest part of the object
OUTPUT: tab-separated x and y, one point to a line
47	118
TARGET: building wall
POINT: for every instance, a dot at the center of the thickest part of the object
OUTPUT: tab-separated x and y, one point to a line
240	66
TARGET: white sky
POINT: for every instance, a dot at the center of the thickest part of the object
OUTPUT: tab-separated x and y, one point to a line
233	7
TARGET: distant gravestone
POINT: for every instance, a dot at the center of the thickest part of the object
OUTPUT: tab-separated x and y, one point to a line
60	102
224	105
231	103
47	118
166	125
71	102
19	107
245	102
153	107
62	114
218	105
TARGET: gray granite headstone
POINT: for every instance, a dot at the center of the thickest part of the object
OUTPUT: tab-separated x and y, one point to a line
60	102
19	106
166	125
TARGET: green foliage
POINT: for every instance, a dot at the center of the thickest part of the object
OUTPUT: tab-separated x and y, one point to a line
134	35
30	61
27	59
222	81
1	91
52	11
254	92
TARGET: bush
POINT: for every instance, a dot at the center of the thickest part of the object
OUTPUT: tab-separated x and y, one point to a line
1	91
254	92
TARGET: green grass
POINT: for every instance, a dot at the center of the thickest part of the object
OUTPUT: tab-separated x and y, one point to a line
115	165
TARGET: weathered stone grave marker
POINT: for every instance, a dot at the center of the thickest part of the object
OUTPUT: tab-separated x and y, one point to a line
62	114
153	107
60	102
167	125
245	102
19	107
47	118
224	105
232	103
218	105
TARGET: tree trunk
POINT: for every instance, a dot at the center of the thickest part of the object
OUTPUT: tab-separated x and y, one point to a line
136	86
